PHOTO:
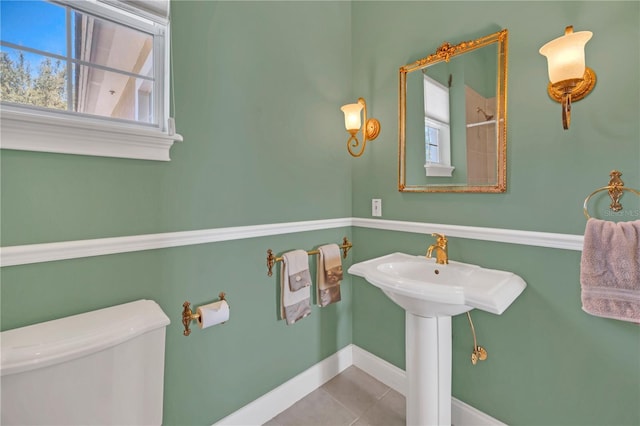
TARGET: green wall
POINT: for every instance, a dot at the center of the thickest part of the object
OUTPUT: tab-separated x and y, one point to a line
550	170
549	362
258	87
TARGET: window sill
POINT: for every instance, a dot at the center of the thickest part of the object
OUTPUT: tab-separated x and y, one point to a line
439	170
29	131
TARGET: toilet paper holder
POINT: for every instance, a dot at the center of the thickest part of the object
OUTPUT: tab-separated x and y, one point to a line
188	315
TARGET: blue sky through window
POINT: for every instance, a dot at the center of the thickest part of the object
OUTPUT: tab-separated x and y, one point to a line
36	24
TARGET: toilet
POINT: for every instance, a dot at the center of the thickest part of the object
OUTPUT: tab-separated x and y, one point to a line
104	367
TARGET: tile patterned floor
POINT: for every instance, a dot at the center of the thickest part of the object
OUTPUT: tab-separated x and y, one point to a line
352	398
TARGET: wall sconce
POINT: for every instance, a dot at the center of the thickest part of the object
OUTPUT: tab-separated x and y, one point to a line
352	123
570	80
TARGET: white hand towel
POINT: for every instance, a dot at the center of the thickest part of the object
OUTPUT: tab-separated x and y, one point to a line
610	270
295	304
329	275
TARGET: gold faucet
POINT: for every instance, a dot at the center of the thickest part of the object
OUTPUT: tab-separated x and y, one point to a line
442	257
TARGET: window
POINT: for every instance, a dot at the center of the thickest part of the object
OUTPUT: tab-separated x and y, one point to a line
90	78
437	129
432	142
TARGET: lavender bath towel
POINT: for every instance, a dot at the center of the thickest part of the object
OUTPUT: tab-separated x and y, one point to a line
610	270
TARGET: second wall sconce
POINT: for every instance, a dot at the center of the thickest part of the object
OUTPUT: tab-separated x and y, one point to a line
353	123
570	80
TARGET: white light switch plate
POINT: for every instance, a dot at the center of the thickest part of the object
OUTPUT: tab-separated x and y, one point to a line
376	207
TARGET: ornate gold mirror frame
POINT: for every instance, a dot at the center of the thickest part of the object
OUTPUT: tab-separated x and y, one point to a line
444	54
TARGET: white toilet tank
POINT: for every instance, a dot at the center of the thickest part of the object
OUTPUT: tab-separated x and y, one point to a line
104	367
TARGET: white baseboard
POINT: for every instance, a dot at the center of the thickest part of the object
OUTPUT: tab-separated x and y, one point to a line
465	415
274	402
380	369
461	414
284	396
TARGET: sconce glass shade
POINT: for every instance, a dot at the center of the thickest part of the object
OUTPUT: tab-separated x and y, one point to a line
565	55
352	119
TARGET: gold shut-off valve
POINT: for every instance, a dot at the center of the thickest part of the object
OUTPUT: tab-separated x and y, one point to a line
479	353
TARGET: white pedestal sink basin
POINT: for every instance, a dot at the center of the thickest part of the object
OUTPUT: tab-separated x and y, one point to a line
431	294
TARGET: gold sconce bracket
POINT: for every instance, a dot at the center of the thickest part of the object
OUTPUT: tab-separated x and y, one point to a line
353	142
370	131
188	315
568	91
581	89
372	128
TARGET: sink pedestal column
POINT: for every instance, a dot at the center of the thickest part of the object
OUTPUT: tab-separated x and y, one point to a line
428	359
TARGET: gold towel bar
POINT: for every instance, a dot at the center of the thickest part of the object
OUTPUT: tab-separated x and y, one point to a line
615	188
271	259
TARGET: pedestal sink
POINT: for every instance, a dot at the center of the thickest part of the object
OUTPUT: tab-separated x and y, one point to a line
431	294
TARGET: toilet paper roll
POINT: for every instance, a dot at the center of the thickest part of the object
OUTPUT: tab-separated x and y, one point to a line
213	314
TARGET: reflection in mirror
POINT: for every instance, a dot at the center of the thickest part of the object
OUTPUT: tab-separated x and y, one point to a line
453	118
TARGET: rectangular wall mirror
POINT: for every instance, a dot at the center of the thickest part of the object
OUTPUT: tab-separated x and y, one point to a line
453	118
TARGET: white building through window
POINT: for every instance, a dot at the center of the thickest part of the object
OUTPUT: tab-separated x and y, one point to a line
92	77
437	129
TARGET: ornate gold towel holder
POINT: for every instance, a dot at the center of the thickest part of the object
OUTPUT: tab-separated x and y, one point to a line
188	315
271	259
615	188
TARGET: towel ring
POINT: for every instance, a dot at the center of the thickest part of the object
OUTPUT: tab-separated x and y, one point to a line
615	188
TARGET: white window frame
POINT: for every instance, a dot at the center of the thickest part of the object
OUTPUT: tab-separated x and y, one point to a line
440	121
443	167
35	129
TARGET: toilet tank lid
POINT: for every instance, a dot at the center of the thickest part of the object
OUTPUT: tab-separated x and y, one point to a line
64	339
